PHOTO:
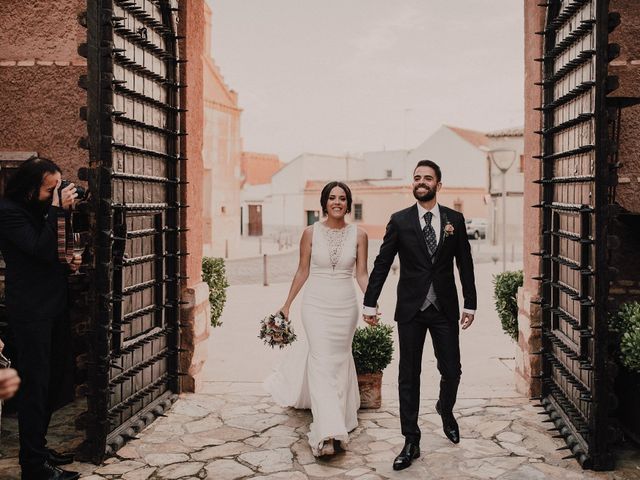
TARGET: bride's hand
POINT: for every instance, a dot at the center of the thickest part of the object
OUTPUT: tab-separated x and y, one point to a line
285	311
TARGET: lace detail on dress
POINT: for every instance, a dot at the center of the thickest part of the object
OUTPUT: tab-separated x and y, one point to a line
335	241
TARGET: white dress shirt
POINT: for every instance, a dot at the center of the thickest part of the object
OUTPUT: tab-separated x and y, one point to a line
436	223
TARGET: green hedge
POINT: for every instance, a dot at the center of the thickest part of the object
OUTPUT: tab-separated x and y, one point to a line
505	294
372	348
626	323
214	274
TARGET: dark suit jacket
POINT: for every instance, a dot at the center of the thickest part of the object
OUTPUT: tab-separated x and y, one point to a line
35	281
417	270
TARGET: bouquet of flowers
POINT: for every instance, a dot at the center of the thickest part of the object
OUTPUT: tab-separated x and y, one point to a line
275	329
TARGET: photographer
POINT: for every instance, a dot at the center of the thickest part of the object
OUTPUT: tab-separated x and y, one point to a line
36	301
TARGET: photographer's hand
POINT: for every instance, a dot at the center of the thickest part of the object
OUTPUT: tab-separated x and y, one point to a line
68	196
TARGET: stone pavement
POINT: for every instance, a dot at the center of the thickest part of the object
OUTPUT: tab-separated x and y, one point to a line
233	431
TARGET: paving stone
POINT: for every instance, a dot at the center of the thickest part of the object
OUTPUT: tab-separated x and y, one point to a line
256	442
470	402
172	428
357	472
480	448
227	470
388	423
374	415
382	433
525	472
140	474
379	446
470	411
323	471
418	470
369	476
119	468
269	461
203	425
230	449
519	450
217	436
279	431
282	476
158	459
178	470
302	452
279	442
128	452
90	477
489	429
552	471
510	437
481	469
257	422
190	409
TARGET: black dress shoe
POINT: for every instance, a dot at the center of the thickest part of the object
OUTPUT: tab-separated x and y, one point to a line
409	452
56	458
48	472
449	425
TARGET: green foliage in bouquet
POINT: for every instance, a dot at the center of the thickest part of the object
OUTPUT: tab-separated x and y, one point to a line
626	323
372	348
214	274
505	294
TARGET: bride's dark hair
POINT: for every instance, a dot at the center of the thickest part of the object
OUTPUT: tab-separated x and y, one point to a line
326	190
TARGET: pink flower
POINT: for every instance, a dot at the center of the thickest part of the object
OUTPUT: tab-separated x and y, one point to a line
448	229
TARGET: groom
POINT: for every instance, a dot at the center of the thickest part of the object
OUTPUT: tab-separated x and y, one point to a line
427	237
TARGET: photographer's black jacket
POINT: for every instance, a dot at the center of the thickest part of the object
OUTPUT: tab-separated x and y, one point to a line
35	281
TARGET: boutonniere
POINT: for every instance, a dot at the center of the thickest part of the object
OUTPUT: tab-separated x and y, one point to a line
448	229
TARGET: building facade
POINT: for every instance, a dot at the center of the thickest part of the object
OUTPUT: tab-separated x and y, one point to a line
222	151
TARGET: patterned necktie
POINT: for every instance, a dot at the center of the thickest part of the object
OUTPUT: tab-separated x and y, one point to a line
429	234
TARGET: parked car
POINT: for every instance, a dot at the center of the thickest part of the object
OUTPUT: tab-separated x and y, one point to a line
476	228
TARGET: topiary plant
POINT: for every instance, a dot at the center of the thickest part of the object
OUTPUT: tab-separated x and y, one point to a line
505	293
626	322
214	274
372	348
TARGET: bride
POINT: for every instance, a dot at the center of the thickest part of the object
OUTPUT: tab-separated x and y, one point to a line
324	379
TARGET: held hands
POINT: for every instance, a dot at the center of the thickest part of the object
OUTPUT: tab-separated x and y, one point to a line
372	319
68	196
466	320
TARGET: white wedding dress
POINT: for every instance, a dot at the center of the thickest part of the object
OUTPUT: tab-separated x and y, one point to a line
322	375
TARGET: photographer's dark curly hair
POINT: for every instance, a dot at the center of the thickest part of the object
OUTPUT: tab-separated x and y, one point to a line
326	190
25	183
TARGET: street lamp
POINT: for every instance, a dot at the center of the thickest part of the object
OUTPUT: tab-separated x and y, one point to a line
503	159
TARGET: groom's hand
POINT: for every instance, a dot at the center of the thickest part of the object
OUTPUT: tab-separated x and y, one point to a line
466	320
370	319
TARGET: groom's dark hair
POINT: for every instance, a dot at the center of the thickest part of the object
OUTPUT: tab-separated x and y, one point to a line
429	163
324	196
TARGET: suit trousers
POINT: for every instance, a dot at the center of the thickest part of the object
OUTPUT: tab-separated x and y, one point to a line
44	365
445	338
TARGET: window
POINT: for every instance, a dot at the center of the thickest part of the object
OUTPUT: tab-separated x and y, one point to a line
389	173
357	211
521	167
457	205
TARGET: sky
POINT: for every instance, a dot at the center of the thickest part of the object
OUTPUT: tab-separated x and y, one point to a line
348	76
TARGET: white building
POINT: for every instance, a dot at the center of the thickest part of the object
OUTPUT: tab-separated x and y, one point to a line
381	182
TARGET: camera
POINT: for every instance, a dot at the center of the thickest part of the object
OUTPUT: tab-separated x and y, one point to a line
81	191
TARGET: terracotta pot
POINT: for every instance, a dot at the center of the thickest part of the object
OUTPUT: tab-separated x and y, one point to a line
370	385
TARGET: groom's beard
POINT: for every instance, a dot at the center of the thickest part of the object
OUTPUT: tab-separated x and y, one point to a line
425	197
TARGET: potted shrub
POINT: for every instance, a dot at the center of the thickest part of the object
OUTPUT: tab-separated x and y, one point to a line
372	351
214	275
505	293
625	330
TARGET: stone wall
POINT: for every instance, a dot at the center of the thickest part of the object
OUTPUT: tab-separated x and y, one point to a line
529	315
195	313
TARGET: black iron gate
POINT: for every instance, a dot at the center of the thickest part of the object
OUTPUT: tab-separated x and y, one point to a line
133	121
574	178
